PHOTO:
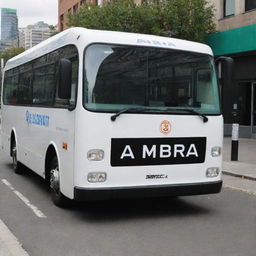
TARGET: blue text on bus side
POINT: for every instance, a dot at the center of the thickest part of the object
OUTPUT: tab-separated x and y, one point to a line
37	119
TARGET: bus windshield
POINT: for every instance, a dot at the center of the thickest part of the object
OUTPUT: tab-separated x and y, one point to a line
153	79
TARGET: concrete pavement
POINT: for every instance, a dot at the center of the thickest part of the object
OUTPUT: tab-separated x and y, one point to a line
9	245
244	168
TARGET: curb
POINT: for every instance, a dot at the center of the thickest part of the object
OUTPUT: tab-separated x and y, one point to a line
239	175
10	242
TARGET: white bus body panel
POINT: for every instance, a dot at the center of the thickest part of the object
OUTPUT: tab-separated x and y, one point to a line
95	131
33	139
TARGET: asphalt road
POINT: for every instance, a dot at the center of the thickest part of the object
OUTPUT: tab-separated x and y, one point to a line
222	224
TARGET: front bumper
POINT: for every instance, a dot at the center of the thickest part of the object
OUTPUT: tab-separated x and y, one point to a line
91	194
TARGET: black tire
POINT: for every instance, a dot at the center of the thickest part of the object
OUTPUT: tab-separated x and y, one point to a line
16	165
57	197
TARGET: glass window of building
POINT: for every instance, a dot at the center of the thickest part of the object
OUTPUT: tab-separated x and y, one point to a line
250	5
229	7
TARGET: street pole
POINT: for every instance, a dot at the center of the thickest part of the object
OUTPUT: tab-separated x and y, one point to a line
235	125
235	142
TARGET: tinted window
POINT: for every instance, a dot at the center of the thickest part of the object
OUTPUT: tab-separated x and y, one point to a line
11	81
250	5
119	77
25	89
35	83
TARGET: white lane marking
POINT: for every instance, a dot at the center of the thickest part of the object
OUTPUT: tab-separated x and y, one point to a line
240	190
25	200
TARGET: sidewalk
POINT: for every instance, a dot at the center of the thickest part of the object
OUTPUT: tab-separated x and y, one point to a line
9	245
245	167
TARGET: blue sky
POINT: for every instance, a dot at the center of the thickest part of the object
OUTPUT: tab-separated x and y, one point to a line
32	11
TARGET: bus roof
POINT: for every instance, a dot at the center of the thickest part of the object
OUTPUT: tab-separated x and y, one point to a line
82	37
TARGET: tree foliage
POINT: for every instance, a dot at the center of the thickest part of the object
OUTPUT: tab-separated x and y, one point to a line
53	30
10	52
185	19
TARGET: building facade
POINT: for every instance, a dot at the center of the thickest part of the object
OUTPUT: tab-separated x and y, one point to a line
34	34
66	7
8	28
236	23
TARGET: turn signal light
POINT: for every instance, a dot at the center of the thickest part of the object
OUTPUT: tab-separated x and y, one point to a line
212	172
94	177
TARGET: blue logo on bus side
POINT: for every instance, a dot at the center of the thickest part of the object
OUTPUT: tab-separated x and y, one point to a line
37	119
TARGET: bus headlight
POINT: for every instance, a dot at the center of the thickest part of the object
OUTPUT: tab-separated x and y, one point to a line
94	177
212	172
95	155
216	151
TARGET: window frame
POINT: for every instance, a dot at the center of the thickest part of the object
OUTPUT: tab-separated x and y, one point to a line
225	15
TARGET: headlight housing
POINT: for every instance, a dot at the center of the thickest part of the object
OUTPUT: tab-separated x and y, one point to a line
95	155
216	151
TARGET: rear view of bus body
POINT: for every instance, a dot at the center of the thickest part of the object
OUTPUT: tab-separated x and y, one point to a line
104	114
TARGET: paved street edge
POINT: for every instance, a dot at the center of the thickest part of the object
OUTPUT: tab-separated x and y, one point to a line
238	175
10	241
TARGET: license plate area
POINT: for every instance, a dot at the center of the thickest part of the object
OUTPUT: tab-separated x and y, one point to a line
157	151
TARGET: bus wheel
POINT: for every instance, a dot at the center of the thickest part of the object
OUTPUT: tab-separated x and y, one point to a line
16	165
57	197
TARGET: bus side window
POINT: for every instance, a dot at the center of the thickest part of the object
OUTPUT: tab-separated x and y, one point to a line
68	52
74	82
10	88
25	88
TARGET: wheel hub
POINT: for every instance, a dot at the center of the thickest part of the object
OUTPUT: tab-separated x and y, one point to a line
14	157
55	181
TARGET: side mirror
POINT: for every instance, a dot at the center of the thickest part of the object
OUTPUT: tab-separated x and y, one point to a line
65	77
225	68
228	88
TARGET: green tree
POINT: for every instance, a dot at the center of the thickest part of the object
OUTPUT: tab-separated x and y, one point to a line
53	30
185	19
10	52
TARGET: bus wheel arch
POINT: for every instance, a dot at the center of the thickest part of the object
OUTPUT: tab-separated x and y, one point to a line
50	154
52	177
12	141
16	165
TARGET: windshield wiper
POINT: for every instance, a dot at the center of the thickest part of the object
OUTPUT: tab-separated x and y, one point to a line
203	116
113	117
134	110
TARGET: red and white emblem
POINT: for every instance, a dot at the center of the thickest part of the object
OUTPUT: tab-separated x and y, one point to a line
165	127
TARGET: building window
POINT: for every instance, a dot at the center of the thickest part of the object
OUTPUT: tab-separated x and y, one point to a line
61	22
229	7
250	5
75	8
82	2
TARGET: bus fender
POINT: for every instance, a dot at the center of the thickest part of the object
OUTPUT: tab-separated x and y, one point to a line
13	136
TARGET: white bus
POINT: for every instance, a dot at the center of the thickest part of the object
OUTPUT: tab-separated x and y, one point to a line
103	114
